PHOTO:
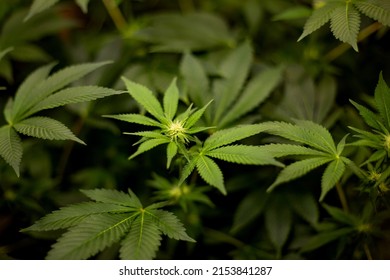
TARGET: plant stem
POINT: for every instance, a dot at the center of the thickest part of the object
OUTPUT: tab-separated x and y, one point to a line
342	197
342	48
367	251
116	15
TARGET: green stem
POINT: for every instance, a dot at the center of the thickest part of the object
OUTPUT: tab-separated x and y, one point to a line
115	14
342	197
342	48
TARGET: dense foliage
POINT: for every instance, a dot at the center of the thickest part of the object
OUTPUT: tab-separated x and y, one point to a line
249	128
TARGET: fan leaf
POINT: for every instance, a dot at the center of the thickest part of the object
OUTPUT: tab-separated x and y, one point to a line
95	233
376	9
298	169
243	154
142	241
331	176
145	98
11	149
211	173
345	24
45	128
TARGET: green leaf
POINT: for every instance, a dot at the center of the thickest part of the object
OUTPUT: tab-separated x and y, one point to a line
171	152
304	205
187	170
230	135
331	176
83	4
257	90
171	100
211	173
169	224
4	52
30	53
369	116
8	110
51	84
134	118
45	128
11	147
193	119
293	13
376	9
243	154
169	32
148	145
325	237
145	98
86	239
278	221
341	216
72	95
345	24
39	6
382	100
25	90
114	197
142	241
305	132
195	79
298	169
319	18
234	71
282	150
72	215
250	207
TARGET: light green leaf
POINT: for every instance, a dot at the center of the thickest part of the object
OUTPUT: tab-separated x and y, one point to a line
39	6
382	100
53	83
293	13
83	4
282	150
257	90
369	116
319	18
11	147
230	135
192	120
306	132
187	170
86	239
169	224
376	9
171	152
72	215
171	100
234	71
211	173
113	197
142	241
72	95
135	118
145	98
148	145
345	24
195	79
298	169
45	128
25	90
243	154
331	176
